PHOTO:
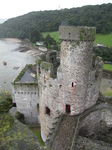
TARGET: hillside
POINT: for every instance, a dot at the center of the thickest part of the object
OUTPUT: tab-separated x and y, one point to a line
28	25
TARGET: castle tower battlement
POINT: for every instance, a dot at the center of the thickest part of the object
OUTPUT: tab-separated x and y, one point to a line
75	87
72	33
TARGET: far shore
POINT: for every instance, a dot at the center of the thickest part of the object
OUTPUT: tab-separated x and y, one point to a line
25	46
15	40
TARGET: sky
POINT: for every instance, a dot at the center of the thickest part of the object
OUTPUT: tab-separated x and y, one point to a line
14	8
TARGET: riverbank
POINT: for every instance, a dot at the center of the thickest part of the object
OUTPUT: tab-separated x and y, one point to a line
14	40
25	46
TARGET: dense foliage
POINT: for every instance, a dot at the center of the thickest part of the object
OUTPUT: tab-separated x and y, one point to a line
5	101
30	25
104	52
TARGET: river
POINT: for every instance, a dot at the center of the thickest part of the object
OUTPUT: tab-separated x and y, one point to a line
14	58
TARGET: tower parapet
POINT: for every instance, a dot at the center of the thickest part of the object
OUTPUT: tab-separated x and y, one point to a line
77	33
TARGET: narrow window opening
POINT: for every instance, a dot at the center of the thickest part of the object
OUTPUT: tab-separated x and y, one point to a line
73	84
38	109
47	111
44	78
52	59
68	109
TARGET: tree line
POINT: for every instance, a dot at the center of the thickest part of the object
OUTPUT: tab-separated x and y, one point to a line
32	24
104	52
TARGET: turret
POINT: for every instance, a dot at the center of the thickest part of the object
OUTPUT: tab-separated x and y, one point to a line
75	65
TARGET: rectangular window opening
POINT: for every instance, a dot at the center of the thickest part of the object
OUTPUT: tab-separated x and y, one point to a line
47	111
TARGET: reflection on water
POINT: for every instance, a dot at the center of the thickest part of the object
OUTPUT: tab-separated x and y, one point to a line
13	58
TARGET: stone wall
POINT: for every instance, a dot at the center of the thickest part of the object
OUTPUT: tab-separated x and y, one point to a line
48	99
97	124
26	97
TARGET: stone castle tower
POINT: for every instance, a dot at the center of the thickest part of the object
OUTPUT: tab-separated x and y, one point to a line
73	85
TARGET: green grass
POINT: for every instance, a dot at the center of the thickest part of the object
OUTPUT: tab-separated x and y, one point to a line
107	67
54	35
104	39
37	132
100	38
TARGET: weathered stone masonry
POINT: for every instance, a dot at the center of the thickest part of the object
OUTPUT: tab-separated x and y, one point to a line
26	97
75	86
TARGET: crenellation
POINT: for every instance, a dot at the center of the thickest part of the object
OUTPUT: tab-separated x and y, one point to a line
71	33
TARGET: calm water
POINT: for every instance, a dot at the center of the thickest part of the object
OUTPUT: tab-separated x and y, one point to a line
13	58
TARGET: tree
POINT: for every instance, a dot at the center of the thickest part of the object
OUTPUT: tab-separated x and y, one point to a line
48	41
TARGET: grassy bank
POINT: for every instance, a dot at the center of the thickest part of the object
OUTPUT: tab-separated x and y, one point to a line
100	38
104	39
107	67
37	132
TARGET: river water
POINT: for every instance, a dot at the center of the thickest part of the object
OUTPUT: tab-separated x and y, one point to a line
14	58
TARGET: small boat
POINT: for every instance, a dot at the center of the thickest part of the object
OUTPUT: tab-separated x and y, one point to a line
15	68
4	63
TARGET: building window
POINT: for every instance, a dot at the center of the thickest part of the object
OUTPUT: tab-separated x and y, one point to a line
47	111
68	109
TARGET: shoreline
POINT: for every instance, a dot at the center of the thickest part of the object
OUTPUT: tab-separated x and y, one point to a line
25	46
14	40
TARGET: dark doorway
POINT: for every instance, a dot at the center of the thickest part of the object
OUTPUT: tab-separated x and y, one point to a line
68	111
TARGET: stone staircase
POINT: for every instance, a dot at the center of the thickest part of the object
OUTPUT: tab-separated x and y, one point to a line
65	133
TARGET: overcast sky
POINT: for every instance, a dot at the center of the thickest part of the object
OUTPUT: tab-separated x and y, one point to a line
13	8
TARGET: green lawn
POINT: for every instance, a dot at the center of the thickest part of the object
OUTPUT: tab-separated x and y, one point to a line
100	38
107	67
104	39
54	35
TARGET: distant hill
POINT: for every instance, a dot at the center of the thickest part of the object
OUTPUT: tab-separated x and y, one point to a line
2	20
25	26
